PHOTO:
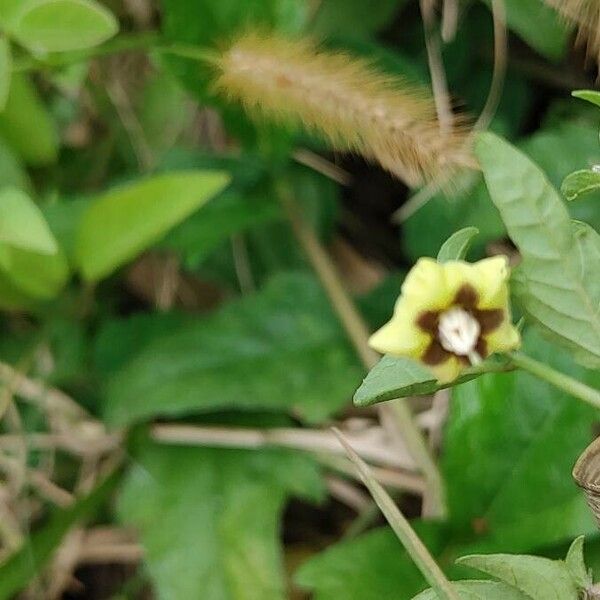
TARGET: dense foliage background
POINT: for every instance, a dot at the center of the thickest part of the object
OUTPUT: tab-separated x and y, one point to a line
150	278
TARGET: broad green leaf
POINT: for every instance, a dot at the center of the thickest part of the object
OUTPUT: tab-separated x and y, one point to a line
280	349
538	578
457	245
5	71
353	18
576	564
590	95
26	125
12	171
373	566
479	590
518	494
539	25
39	276
22	224
62	25
230	213
124	222
579	183
559	297
393	377
8	8
210	518
21	568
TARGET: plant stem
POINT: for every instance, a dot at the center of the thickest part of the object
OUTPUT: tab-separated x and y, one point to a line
145	41
406	534
557	379
358	333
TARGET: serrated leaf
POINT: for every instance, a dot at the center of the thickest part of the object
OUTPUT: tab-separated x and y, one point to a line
393	377
5	71
479	590
580	183
122	223
527	435
62	25
457	245
21	568
22	224
559	297
591	96
26	125
280	349
576	564
538	578
210	519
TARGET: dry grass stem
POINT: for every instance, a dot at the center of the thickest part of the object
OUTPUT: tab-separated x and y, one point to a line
347	101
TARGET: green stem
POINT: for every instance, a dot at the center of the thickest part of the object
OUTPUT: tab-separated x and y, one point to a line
402	528
560	380
146	41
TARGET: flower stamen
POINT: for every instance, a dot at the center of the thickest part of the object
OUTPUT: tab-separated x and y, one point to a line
458	332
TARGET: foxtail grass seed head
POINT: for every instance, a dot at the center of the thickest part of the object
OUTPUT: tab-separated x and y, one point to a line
346	100
585	14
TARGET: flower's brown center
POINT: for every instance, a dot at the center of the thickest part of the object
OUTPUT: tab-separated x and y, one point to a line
460	329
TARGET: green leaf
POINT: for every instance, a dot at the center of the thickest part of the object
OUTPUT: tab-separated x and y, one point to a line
5	71
26	125
21	568
210	519
62	25
579	183
230	213
539	25
280	349
457	245
373	566
479	590
352	19
590	95
393	377
576	564
124	222
22	224
560	297
526	436
538	578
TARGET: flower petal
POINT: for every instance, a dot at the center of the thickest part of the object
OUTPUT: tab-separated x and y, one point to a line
400	337
424	288
448	371
503	339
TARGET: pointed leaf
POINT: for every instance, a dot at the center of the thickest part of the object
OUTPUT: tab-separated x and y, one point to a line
591	96
62	25
126	221
576	564
280	349
479	590
22	224
559	297
457	245
26	125
580	183
538	578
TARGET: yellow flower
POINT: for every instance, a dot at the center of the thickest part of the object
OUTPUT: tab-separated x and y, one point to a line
451	315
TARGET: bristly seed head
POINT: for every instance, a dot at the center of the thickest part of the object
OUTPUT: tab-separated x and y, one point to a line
346	100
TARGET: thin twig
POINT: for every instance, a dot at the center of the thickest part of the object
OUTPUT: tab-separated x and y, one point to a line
321	165
410	540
